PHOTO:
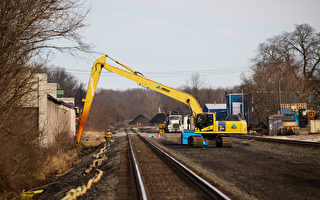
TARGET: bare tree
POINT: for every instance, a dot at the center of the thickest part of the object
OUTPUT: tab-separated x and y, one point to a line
153	101
193	85
289	61
305	42
29	31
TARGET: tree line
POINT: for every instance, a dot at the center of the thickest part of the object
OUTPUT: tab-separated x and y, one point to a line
113	108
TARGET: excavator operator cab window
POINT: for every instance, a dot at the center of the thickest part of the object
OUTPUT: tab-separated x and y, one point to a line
204	120
289	117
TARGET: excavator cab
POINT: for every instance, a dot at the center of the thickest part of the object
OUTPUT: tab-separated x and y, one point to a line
204	121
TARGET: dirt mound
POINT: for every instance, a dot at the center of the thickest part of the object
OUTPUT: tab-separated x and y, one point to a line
158	118
140	119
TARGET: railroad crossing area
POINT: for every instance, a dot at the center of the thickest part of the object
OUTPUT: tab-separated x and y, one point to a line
145	165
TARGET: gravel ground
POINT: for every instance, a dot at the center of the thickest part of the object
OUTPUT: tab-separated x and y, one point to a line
310	138
253	169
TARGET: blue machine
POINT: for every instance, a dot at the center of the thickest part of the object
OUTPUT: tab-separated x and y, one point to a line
188	133
288	113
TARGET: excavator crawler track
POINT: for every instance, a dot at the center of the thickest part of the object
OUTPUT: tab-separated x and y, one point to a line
197	141
225	142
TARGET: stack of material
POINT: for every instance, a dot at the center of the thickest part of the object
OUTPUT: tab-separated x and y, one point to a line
158	119
275	123
139	120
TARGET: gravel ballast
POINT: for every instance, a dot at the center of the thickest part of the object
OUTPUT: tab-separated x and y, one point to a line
253	169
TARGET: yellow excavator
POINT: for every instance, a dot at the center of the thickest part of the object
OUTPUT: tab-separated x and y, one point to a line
205	124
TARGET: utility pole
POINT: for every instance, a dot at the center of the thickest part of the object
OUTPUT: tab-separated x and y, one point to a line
279	92
242	105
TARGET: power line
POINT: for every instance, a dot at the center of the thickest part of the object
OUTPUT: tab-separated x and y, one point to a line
184	71
167	75
207	72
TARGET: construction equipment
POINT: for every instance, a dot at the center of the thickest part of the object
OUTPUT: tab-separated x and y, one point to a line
186	122
206	125
161	128
290	123
295	116
174	123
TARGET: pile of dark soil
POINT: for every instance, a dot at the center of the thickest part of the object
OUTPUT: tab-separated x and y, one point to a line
158	118
140	119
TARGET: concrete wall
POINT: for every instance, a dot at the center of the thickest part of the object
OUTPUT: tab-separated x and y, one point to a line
38	99
61	120
54	115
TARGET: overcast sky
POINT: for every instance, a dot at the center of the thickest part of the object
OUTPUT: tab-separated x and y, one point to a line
169	40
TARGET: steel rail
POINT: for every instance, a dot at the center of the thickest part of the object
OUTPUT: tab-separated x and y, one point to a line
211	191
142	191
295	142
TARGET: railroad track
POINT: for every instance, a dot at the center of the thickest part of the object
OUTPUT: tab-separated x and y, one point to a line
293	142
160	176
133	130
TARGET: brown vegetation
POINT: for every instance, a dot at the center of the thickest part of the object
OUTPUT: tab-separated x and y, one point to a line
29	30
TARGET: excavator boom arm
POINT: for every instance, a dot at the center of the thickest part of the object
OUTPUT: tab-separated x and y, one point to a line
93	81
136	77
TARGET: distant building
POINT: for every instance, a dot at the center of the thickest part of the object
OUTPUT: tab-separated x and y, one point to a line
219	109
55	115
234	104
237	105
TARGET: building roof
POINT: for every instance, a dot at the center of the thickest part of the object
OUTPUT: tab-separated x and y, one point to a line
57	101
216	106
